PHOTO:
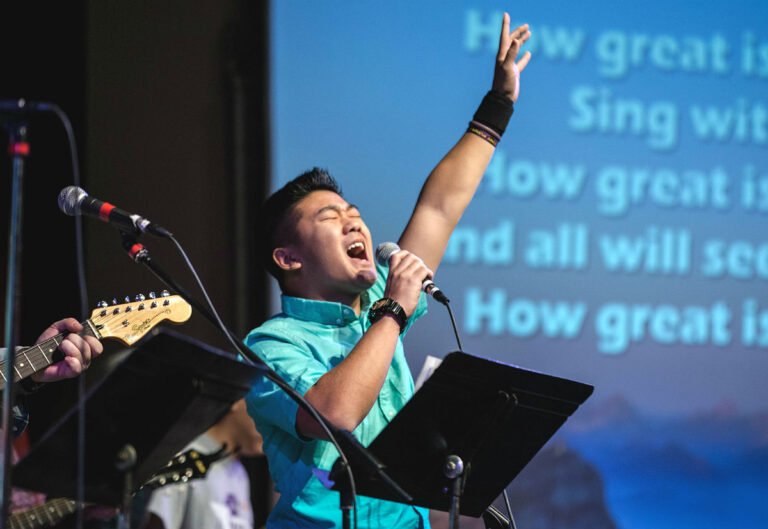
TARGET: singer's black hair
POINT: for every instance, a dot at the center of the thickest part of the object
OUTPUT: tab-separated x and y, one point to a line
277	209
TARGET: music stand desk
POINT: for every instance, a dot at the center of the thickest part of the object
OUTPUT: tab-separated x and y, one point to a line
495	417
156	397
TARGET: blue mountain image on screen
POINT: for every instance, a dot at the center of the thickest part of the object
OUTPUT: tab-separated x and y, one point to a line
684	471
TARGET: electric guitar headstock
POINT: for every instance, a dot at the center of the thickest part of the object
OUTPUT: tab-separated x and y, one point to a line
129	322
184	467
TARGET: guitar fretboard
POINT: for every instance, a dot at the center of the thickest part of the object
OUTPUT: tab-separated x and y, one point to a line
30	360
46	515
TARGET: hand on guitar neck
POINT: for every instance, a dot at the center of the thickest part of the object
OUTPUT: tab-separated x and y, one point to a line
77	349
66	348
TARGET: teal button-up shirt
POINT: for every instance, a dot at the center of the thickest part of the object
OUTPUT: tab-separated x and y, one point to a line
301	344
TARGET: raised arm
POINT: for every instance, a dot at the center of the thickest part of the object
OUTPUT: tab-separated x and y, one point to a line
453	182
347	392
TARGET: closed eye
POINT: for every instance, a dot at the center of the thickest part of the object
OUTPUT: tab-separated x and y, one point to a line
327	213
334	212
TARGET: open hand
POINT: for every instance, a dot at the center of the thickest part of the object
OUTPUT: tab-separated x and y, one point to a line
506	76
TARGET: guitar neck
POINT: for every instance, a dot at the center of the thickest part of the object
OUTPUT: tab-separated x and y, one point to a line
184	467
30	360
46	515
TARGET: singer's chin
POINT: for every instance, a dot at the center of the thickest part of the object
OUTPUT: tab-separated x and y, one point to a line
367	277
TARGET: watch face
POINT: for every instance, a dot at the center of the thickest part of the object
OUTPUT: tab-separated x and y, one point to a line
387	306
380	304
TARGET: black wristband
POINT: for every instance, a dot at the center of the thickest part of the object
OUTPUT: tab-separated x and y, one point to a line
494	111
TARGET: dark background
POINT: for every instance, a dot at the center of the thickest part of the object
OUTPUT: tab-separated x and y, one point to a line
169	105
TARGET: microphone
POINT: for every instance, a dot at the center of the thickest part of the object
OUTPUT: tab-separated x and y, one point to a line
74	201
386	250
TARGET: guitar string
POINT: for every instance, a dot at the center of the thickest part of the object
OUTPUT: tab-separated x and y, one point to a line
34	353
33	515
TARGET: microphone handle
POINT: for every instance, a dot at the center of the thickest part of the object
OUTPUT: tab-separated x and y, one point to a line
433	290
107	212
128	222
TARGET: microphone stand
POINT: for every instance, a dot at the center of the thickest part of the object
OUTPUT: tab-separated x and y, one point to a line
19	150
140	255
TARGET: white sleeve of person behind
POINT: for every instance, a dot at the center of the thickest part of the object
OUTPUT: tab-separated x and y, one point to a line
169	504
220	500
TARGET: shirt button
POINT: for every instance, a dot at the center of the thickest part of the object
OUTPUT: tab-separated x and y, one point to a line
338	320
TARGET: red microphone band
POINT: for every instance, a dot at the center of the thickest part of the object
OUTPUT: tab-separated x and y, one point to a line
135	250
20	148
105	210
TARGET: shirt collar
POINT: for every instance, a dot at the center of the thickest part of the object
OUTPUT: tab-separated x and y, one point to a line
325	312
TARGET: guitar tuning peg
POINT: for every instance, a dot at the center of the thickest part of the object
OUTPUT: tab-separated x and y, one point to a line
152	295
127	299
140	297
101	304
114	301
165	294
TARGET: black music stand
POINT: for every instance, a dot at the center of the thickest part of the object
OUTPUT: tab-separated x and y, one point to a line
152	401
467	433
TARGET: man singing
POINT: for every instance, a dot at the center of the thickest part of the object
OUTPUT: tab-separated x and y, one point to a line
338	339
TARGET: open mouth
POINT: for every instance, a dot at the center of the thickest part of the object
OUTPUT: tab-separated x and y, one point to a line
356	250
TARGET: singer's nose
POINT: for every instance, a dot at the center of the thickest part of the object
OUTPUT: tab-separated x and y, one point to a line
353	224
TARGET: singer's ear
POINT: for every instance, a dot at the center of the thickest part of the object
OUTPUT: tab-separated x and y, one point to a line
285	259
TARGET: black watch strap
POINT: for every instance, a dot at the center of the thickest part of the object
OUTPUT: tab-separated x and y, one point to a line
388	307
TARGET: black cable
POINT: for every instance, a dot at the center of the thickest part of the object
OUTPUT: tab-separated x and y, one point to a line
83	295
274	377
509	510
79	246
453	324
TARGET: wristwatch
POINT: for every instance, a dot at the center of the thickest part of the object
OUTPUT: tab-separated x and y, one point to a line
389	306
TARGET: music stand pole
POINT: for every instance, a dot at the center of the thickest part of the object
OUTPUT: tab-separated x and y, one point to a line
346	501
19	150
454	471
126	463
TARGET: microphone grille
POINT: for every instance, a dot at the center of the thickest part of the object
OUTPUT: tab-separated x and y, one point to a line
384	251
70	199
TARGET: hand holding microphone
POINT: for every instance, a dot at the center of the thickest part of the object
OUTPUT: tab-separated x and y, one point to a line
386	252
